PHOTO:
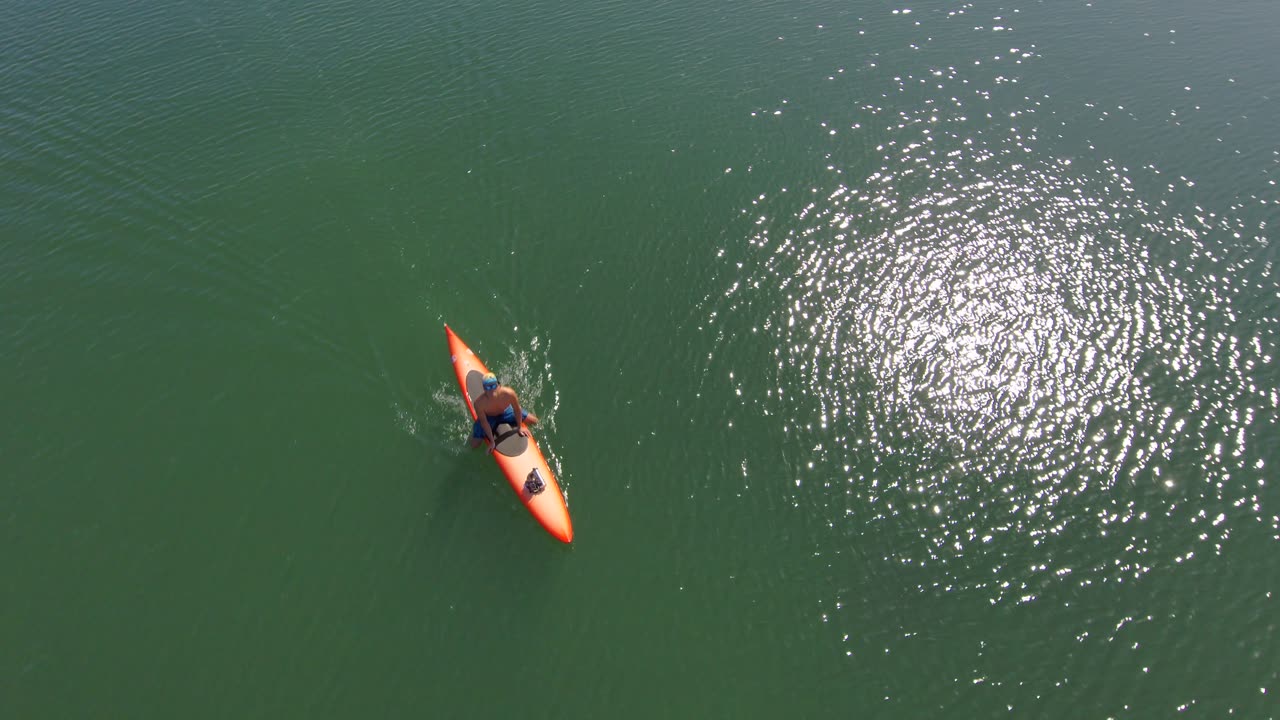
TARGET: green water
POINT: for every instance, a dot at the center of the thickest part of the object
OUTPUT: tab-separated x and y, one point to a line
906	361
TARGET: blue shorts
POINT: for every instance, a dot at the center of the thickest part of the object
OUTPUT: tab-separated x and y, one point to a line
508	417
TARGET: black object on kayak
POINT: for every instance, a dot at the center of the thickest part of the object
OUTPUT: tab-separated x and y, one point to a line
533	484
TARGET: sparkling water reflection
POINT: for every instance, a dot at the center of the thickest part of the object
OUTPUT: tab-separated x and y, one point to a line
1013	352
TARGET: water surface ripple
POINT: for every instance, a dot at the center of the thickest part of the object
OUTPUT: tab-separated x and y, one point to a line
1002	361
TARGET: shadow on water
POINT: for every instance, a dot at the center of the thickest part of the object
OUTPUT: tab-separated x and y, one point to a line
481	534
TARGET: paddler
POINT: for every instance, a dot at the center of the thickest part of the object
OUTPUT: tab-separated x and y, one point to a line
496	405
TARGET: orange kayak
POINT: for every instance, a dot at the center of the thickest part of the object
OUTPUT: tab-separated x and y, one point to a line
519	457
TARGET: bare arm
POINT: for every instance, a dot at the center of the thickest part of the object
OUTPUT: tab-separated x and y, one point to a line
488	432
483	417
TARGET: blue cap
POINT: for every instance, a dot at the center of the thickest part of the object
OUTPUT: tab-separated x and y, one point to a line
490	381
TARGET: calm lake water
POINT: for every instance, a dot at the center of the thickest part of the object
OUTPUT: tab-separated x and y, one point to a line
898	360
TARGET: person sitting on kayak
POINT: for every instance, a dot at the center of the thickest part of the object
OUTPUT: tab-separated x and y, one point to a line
495	406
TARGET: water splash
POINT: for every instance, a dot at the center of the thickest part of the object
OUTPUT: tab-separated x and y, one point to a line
527	370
